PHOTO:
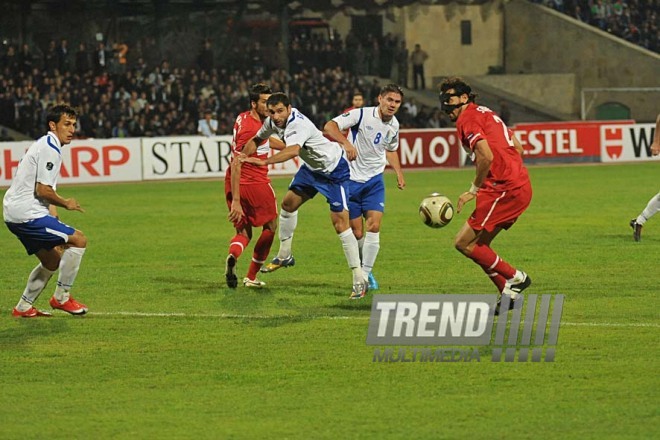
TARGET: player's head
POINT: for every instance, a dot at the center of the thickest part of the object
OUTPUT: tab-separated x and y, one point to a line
61	120
455	93
358	100
259	94
208	114
389	101
279	108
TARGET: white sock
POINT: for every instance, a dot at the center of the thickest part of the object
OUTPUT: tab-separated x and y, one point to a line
288	223
370	252
517	278
360	245
69	266
651	209
36	283
352	253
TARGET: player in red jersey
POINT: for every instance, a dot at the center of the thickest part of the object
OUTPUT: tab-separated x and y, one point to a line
250	198
501	186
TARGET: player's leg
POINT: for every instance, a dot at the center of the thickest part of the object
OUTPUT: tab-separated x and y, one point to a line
371	246
43	238
340	222
261	251
237	245
49	260
288	221
238	242
372	205
465	242
336	191
651	209
69	267
476	246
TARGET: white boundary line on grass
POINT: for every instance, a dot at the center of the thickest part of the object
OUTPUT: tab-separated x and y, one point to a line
360	318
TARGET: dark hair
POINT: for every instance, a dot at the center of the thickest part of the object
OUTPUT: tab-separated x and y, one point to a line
358	93
460	87
278	98
257	90
55	113
391	88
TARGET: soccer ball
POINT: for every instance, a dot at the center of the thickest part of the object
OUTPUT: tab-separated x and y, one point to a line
436	211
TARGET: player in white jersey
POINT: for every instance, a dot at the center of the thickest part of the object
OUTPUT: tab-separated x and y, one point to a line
30	213
325	170
374	131
653	206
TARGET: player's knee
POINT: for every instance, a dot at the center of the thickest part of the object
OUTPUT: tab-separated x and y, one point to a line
461	246
78	239
373	227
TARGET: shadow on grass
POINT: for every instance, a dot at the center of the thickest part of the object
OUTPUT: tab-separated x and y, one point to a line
192	285
25	329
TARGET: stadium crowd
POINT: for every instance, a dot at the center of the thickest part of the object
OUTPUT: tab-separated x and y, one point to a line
633	20
124	91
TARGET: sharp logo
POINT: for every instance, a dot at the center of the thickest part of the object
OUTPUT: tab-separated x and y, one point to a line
466	320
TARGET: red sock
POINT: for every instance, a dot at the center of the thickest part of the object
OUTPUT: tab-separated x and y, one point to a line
238	245
261	251
485	257
496	278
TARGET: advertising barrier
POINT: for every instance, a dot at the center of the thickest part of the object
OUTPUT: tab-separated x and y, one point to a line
194	157
83	161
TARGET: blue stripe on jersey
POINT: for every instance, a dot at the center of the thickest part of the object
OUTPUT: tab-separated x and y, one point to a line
291	118
356	127
52	145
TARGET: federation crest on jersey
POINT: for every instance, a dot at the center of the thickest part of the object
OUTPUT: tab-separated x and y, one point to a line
49	166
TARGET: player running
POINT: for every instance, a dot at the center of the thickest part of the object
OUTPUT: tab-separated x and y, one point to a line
501	186
250	197
325	170
375	133
29	208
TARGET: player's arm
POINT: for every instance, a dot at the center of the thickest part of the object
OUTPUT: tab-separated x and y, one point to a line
52	210
331	128
287	153
393	160
48	194
655	146
483	159
276	143
517	145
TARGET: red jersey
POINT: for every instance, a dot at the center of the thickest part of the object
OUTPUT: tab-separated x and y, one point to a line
245	128
507	171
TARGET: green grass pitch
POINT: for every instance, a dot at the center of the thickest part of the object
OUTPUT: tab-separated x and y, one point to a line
168	352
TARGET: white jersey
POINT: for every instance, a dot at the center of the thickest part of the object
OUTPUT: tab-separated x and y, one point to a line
41	163
372	137
318	152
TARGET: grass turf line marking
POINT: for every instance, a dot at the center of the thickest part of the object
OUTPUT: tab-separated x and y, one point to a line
365	318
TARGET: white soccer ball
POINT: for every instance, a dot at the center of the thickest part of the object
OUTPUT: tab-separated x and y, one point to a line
436	211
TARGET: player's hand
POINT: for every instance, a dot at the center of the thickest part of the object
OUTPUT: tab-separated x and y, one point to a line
655	148
235	212
400	181
463	199
72	205
351	151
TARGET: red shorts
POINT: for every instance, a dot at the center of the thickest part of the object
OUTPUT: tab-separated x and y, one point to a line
500	208
258	202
